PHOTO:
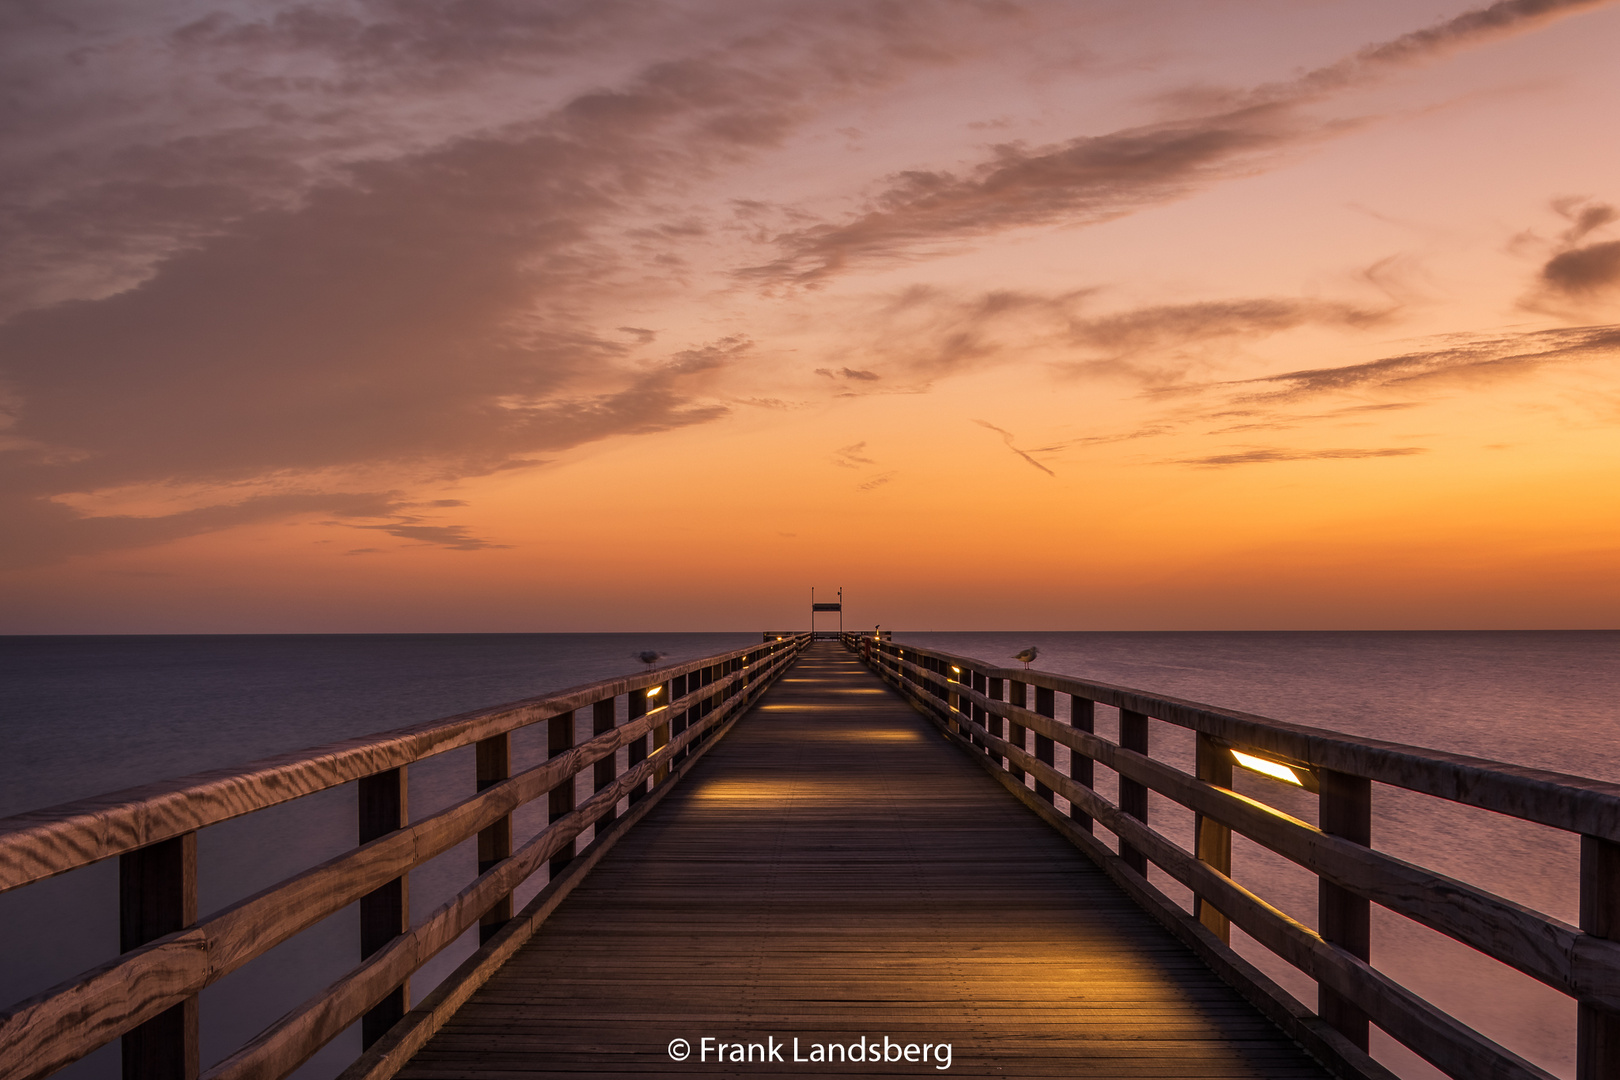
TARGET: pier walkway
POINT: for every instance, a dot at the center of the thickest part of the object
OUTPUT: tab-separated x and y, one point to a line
835	871
821	857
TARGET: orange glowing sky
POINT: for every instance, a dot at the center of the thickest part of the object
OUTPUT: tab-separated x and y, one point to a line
641	314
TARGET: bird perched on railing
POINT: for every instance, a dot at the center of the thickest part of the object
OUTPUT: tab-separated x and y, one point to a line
1027	655
649	657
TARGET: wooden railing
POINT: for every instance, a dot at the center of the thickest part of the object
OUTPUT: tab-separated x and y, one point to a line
1008	719
148	995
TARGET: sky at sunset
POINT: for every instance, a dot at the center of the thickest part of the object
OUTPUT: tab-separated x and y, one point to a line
572	315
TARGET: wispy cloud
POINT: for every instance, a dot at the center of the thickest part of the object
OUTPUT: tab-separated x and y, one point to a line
877	481
1092	179
924	333
1578	277
849	374
1472	359
1266	456
1583	271
384	239
40	530
1007	437
454	537
852	456
1146	328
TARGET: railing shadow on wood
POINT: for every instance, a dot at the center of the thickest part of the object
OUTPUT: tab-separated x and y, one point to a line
148	994
987	710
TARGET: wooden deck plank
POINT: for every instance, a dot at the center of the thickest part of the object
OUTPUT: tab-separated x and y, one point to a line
832	870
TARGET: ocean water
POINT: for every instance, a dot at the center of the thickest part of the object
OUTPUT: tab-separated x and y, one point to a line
82	716
1544	698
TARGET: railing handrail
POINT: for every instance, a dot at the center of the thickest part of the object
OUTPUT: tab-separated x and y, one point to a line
1564	801
42	843
161	971
964	697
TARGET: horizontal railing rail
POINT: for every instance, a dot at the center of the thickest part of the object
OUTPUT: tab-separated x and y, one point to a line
987	710
148	994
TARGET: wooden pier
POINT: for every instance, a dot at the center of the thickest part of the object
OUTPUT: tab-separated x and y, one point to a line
835	871
845	857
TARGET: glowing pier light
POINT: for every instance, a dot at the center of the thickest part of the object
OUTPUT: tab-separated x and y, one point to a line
1288	774
656	706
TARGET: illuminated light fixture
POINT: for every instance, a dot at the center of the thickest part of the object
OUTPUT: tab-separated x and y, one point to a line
1288	774
956	669
655	691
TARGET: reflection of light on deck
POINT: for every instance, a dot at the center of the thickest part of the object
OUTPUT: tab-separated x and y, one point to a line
840	734
777	792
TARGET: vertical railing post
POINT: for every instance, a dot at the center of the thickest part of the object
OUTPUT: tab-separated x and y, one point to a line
606	770
1017	734
157	895
954	699
1045	748
678	724
560	740
993	723
637	748
1597	1040
1133	795
660	731
1082	716
979	715
1212	841
385	912
494	764
1345	919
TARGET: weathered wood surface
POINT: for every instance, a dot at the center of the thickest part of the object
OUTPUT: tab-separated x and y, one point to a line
288	1042
1351	989
64	1023
834	870
41	843
1597	1029
390	1053
157	889
1576	804
1440	1038
1581	964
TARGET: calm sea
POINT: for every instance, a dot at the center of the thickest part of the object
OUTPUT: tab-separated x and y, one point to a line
83	715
